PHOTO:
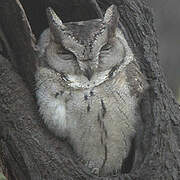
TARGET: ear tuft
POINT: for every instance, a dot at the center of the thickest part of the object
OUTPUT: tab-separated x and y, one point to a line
111	18
53	19
55	23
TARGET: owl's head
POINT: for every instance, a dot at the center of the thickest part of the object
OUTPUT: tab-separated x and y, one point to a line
86	47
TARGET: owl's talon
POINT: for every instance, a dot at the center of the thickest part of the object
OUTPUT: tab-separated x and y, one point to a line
115	172
89	164
95	171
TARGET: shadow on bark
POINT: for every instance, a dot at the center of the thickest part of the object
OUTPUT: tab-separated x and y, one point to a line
27	149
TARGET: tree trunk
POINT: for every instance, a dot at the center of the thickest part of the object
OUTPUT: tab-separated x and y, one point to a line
27	149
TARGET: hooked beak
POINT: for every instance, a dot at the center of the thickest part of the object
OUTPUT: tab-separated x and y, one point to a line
88	73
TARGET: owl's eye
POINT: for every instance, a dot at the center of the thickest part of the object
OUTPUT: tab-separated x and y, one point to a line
105	49
65	54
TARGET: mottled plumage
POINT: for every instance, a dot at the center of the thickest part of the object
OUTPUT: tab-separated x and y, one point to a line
85	91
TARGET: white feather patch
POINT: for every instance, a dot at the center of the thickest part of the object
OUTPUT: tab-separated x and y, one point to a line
53	110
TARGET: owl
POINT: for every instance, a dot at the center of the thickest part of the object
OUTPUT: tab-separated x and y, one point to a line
88	86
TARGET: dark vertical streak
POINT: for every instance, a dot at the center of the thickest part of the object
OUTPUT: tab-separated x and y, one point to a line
88	108
103	108
105	156
91	93
98	118
105	131
85	97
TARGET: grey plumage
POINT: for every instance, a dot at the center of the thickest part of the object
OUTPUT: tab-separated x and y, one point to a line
83	88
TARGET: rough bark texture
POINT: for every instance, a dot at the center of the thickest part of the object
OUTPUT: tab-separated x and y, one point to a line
28	150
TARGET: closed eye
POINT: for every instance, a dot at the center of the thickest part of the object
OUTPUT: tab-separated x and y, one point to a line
105	50
106	47
65	54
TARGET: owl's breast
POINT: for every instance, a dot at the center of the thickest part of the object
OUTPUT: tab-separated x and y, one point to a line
106	99
102	121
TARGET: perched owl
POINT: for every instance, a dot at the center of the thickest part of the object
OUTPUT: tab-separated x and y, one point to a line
88	88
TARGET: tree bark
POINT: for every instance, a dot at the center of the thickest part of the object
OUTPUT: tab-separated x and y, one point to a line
27	149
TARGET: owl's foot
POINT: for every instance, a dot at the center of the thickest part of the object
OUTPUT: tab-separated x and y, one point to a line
93	169
115	172
80	159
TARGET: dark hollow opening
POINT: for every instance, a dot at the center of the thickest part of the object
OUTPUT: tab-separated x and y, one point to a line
68	11
128	162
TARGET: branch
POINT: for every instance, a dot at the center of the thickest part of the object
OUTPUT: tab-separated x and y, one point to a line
16	28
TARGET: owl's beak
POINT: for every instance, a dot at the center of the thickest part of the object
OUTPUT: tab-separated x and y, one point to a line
88	73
